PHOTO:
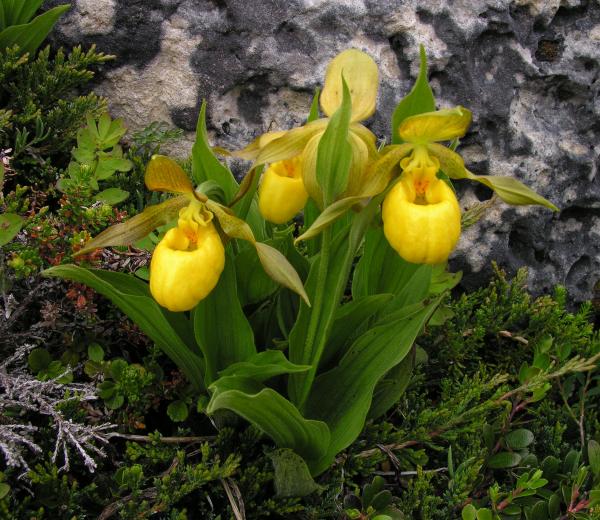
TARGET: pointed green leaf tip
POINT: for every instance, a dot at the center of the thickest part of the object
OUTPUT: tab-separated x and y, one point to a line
420	99
334	153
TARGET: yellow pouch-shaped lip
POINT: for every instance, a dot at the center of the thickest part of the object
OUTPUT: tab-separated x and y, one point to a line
184	269
422	231
281	194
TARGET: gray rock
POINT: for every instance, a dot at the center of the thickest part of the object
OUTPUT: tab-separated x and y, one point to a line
528	69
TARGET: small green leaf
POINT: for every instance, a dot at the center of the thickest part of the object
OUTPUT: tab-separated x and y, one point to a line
96	352
469	512
117	368
419	100
539	511
370	490
115	402
504	460
10	225
4	490
107	389
550	466
112	196
554	505
292	477
381	500
177	411
512	510
519	439
484	514
594	457
39	359
571	462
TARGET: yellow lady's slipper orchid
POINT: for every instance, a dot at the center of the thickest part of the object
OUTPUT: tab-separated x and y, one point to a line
281	193
421	219
362	77
188	261
421	216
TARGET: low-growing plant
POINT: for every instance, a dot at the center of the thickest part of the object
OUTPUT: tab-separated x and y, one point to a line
97	157
345	300
41	112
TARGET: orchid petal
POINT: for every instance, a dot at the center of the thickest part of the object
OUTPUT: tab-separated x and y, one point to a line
358	165
361	75
309	169
290	144
510	190
442	125
251	151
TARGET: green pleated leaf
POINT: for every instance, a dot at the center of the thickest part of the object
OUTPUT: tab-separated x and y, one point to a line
170	331
419	100
220	325
334	154
392	386
349	387
325	285
17	12
380	268
29	36
263	366
205	166
273	414
350	320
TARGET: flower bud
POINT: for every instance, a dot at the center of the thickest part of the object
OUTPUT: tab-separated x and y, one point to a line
281	194
421	219
188	261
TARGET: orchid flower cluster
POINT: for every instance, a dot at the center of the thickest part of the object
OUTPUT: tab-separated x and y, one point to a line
421	215
307	342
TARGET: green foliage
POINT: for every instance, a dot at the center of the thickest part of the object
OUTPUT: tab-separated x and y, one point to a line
19	29
375	503
41	113
97	157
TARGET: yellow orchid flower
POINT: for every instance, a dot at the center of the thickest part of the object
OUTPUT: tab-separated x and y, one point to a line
188	261
421	216
299	146
281	193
